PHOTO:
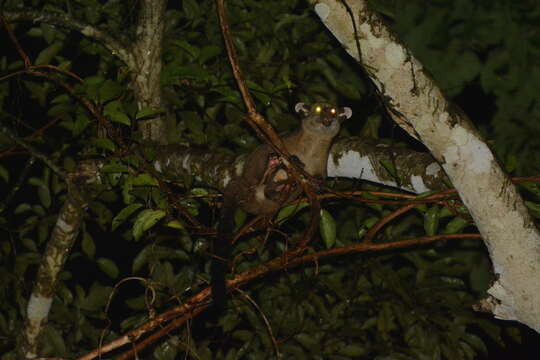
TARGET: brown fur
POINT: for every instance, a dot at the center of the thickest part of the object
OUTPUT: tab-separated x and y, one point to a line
264	186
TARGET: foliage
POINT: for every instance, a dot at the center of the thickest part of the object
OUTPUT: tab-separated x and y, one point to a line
407	304
486	47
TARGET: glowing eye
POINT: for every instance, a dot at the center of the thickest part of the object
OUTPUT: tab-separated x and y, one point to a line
318	109
333	111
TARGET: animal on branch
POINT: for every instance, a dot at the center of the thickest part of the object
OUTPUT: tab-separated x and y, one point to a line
265	184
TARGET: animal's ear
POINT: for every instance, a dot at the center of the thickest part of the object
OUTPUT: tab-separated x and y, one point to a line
346	112
301	108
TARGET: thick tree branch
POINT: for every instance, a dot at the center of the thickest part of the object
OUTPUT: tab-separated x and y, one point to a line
354	158
418	105
148	50
178	316
63	237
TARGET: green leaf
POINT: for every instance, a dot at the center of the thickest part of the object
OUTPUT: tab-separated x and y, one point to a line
209	52
157	252
38	210
480	276
140	259
259	92
106	144
48	32
307	341
352	350
191	71
375	206
80	124
22	208
43	192
455	225
69	164
476	342
35	32
88	246
190	8
43	231
60	99
167	350
4	174
65	293
295	351
36	182
124	214
108	267
102	214
115	111
65	65
144	180
327	228
137	303
92	13
371	128
115	168
97	297
91	87
29	244
431	220
361	232
109	90
46	55
532	187
191	206
534	209
370	221
54	340
94	81
145	220
191	50
61	111
175	224
23	261
148	112
240	217
44	196
288	211
445	212
199	191
390	167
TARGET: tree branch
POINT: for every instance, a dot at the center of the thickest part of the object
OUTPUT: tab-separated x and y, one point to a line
58	248
176	317
419	106
352	157
63	20
147	67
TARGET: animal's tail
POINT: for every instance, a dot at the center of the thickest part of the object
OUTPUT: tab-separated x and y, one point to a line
222	253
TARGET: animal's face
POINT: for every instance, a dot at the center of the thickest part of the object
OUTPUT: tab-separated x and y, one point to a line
323	118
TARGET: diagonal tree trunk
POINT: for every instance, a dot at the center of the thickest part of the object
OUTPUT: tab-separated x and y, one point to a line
418	106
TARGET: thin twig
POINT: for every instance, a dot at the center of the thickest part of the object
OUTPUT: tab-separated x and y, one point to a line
266	322
15	41
35	153
15	188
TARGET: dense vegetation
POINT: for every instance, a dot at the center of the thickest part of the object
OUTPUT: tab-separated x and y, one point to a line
412	303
